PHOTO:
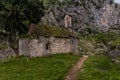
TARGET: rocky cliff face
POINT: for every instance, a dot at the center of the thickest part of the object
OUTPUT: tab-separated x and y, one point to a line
87	15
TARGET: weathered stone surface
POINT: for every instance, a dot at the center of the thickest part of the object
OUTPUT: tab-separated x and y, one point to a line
115	60
7	53
114	53
46	46
94	14
31	47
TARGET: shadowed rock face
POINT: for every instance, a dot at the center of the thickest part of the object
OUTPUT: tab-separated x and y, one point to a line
92	14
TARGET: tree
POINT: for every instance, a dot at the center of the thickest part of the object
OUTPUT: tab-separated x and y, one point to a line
17	15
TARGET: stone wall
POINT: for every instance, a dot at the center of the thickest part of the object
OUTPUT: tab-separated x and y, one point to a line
74	45
30	47
46	46
23	47
7	53
64	45
61	45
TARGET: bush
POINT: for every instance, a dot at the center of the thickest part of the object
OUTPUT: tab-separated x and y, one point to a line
117	41
105	37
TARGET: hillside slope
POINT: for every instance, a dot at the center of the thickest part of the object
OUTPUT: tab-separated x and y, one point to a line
87	15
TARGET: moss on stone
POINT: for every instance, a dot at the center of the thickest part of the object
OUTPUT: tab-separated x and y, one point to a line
47	30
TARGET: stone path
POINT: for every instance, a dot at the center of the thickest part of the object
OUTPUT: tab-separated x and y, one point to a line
72	74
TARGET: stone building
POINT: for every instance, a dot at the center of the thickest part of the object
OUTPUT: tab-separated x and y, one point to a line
60	40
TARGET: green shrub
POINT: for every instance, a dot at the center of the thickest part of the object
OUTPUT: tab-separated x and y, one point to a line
117	41
105	37
3	46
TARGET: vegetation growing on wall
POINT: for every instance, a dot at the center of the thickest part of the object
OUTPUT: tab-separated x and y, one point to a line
44	30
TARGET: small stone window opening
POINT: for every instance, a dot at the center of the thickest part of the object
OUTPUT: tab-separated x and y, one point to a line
48	46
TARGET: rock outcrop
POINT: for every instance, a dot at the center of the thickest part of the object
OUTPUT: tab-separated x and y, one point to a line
87	15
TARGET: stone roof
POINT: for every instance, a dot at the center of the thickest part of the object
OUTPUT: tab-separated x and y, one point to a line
45	30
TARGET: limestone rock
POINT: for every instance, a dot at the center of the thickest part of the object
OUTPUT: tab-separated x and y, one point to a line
114	53
100	15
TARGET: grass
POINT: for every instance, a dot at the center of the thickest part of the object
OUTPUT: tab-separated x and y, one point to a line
87	44
53	67
116	42
99	67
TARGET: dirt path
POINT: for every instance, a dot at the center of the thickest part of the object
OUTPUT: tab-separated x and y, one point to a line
72	74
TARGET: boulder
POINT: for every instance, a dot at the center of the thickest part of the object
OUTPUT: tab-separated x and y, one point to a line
114	53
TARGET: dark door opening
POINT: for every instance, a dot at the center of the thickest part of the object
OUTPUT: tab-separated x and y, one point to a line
48	46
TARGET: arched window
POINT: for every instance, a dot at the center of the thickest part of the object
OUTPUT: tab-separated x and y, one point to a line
48	46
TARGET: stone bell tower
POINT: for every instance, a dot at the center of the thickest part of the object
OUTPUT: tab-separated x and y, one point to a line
68	22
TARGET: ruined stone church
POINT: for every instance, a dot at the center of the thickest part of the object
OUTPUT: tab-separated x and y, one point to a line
46	45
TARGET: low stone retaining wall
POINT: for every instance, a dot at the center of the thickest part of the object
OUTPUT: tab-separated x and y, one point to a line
7	53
